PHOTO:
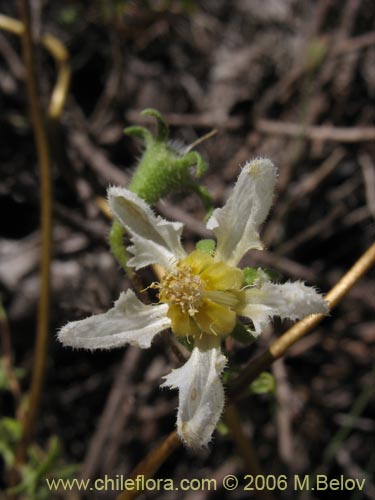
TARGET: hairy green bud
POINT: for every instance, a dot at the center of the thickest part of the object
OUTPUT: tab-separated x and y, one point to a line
164	167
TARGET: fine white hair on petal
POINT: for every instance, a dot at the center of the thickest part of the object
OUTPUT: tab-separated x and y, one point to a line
201	393
155	240
235	225
128	322
293	300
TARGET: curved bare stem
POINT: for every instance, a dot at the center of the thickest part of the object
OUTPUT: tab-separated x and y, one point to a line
46	231
58	51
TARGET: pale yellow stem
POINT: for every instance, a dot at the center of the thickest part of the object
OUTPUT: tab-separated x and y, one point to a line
300	329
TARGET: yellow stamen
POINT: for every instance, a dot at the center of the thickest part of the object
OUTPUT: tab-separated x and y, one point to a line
182	288
202	295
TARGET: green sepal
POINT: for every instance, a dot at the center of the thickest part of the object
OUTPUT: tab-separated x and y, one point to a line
249	275
205	197
273	274
116	241
162	125
206	246
141	132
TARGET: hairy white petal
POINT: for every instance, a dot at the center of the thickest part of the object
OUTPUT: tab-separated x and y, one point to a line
155	240
235	225
289	300
128	322
201	394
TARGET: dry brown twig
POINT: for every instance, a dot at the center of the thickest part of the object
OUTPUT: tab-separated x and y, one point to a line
368	172
118	393
42	147
285	438
317	132
244	447
305	186
208	120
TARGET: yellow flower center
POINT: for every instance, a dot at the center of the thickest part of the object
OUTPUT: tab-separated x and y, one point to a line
182	288
202	295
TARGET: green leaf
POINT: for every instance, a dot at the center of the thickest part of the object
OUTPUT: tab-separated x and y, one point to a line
10	429
264	384
10	434
4	379
222	429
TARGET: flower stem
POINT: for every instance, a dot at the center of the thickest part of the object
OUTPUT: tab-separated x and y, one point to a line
244	447
150	464
300	329
46	231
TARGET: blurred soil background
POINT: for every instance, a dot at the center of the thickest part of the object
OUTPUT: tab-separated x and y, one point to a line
290	80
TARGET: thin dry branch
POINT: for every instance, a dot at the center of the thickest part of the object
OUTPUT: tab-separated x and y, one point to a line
244	447
207	120
300	329
317	133
151	463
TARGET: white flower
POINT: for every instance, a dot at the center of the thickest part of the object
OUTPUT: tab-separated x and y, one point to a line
200	294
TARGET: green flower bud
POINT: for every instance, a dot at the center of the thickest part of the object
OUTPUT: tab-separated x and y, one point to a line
164	167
